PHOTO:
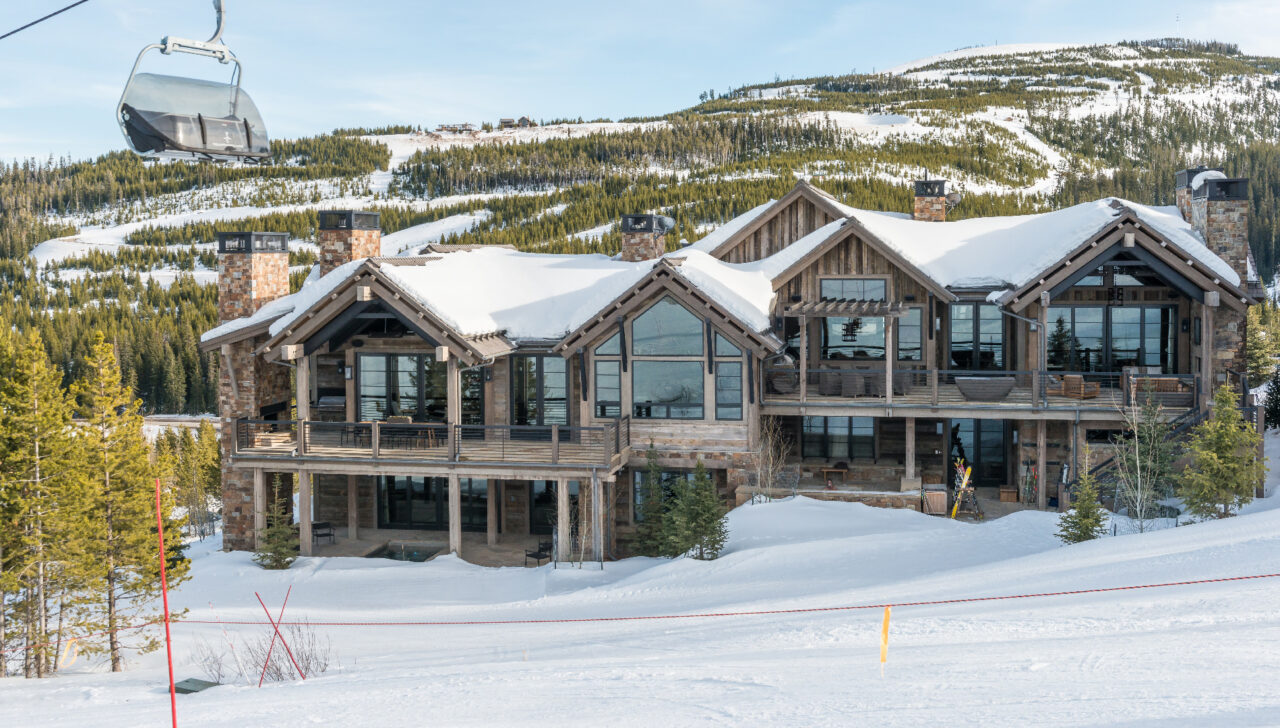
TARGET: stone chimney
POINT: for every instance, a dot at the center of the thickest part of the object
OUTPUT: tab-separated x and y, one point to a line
347	235
931	200
1182	189
253	268
1220	211
644	237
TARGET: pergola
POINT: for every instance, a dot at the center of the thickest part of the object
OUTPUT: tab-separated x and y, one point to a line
844	307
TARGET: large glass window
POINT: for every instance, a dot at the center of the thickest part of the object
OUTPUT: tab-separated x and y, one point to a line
668	478
729	390
608	388
911	335
852	289
416	386
539	390
977	336
667	329
1097	338
667	389
838	438
853	338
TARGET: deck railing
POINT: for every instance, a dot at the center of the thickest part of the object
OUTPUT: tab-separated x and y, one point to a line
953	388
438	442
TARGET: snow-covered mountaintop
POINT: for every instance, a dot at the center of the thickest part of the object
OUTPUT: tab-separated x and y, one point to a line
1004	49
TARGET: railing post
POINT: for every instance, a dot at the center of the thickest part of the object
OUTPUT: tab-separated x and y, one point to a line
1037	383
375	436
555	443
453	442
302	437
933	387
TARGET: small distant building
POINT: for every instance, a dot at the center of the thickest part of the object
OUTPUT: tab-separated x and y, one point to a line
507	123
461	128
525	121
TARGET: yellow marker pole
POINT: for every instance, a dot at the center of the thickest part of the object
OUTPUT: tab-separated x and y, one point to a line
69	654
884	641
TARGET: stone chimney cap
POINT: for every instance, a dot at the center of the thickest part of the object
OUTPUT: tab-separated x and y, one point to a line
1186	176
1222	188
250	242
349	220
659	224
931	188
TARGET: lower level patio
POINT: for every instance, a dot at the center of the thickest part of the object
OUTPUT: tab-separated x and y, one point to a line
372	542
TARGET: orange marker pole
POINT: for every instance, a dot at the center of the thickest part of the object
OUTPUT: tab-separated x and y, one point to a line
884	641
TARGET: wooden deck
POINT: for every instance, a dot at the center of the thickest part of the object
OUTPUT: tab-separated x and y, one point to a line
567	454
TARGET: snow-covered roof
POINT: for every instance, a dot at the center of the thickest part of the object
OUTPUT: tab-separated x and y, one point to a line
1008	252
536	296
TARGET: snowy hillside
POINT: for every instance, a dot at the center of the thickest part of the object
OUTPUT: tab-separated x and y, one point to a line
1186	655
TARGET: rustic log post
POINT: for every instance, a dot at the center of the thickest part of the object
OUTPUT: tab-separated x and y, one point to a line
353	508
804	358
1042	493
455	515
555	443
888	361
259	505
597	516
491	517
562	519
375	438
304	513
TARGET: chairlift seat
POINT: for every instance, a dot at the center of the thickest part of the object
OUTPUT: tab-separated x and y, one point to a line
174	116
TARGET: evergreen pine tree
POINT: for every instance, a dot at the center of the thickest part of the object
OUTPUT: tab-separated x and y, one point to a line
1272	411
278	544
120	504
1087	519
1224	468
651	510
678	521
708	528
40	490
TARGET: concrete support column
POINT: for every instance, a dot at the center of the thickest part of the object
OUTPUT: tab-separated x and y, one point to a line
304	513
455	515
259	505
353	510
1042	492
491	518
563	547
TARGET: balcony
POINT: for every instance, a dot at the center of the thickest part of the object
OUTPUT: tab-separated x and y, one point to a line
934	389
431	443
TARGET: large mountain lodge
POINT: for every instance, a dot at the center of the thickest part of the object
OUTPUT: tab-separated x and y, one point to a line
516	395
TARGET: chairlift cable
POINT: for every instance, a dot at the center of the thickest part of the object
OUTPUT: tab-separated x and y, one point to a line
41	20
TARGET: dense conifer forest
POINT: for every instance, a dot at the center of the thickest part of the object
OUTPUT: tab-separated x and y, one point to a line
1161	105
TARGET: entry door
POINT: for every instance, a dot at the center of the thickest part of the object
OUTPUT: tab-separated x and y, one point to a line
409	502
983	445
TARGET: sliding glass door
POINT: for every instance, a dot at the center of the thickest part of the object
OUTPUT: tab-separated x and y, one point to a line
983	445
414	386
423	503
1108	339
539	390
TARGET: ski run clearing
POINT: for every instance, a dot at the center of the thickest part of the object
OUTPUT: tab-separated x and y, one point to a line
1189	655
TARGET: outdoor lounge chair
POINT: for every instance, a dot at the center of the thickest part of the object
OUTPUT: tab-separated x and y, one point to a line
1075	387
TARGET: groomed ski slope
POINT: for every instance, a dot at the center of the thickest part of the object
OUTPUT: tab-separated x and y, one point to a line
1197	655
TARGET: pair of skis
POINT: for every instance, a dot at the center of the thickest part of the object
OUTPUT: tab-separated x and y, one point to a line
965	494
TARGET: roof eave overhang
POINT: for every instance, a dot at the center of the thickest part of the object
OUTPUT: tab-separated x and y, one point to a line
1113	234
665	277
382	288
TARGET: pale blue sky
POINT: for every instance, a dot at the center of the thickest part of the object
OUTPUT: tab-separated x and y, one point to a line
317	64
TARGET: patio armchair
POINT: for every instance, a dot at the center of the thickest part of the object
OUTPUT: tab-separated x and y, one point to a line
1075	387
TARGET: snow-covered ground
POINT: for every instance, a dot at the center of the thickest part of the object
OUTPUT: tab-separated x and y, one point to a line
1194	655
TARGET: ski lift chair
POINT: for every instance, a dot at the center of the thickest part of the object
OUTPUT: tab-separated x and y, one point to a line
189	118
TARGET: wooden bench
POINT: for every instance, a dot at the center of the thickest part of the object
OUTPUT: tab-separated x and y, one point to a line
828	472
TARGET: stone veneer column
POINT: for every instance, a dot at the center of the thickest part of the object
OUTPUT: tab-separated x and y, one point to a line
339	247
1224	224
246	281
643	246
